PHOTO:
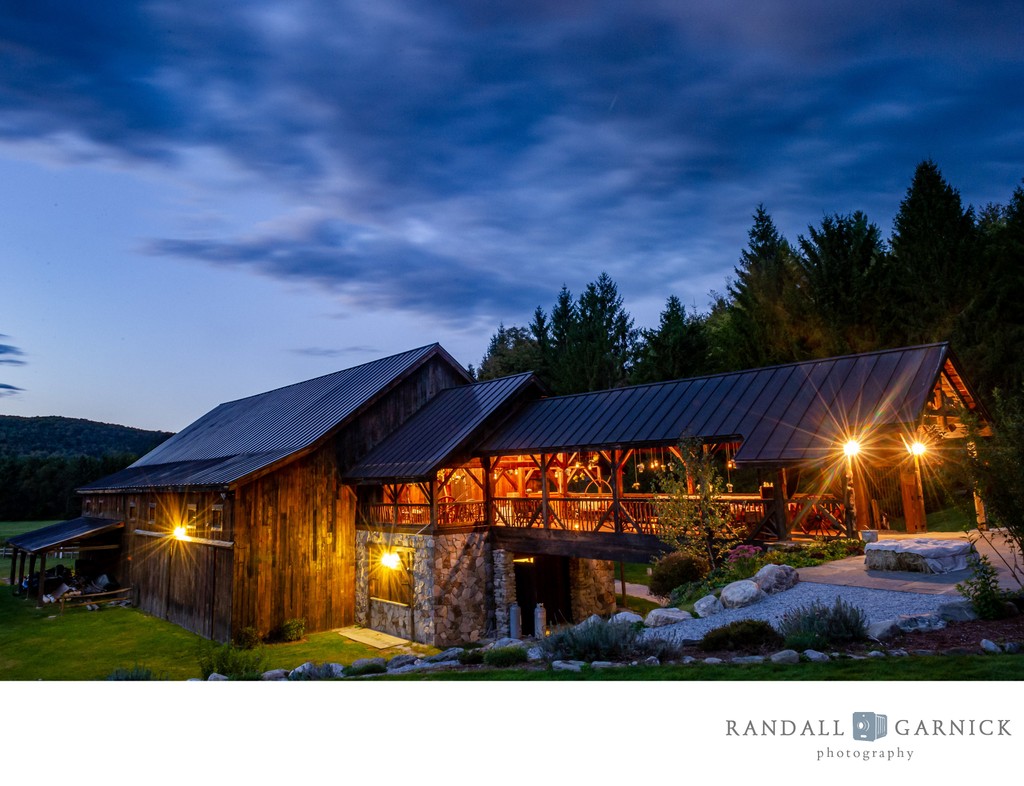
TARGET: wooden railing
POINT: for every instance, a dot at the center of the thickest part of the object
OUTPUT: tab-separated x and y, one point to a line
449	514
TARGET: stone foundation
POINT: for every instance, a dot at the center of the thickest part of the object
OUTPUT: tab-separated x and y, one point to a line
504	590
415	622
463	588
592	584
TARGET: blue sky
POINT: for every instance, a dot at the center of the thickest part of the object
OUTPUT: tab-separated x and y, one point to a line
203	201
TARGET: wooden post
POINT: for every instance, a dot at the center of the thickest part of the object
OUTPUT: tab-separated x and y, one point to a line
545	510
14	565
432	491
31	569
622	581
21	568
488	493
850	513
780	503
614	480
42	580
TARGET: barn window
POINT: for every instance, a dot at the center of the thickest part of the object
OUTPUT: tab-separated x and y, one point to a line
217	518
191	519
152	513
391	574
131	511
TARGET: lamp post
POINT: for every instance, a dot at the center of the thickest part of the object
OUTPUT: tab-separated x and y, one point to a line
920	521
851	449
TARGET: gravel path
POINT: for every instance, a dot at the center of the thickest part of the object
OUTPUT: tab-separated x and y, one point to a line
877	604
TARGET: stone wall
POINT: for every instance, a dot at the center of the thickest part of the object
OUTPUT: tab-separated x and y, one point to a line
463	588
397	619
504	589
592	584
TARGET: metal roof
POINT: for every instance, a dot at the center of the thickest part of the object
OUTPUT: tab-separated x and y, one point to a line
789	413
444	427
49	537
243	436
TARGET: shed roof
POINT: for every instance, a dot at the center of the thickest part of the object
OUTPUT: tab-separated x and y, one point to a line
240	437
444	427
789	413
63	532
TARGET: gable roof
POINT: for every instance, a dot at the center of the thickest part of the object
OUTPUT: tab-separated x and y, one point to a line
444	428
790	413
240	437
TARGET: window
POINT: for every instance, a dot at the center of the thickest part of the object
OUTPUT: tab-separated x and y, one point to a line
191	519
217	518
391	574
131	511
152	513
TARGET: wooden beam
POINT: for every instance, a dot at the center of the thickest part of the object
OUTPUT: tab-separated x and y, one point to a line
617	547
545	508
14	565
42	580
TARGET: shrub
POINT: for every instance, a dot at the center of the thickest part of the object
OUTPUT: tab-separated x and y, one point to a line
471	657
291	630
233	662
247	638
135	674
982	590
675	570
818	625
743	561
593	641
745	635
370	667
502	657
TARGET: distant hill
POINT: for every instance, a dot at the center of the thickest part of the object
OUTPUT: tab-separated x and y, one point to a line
46	437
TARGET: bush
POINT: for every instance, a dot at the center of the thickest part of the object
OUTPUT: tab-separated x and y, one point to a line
471	657
982	590
365	668
818	625
233	662
504	656
135	674
291	630
593	641
247	638
745	635
673	570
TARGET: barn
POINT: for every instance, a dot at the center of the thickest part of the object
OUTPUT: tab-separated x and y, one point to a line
405	497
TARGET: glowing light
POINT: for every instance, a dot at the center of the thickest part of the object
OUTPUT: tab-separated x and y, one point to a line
917	448
390	559
180	533
851	448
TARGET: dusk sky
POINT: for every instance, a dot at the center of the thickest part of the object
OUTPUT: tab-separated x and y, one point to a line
202	201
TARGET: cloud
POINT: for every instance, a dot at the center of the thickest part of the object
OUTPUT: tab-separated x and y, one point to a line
465	161
10	355
9	390
324	352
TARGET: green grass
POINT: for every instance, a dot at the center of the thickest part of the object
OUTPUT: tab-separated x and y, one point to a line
911	669
9	529
636	573
950	520
38	644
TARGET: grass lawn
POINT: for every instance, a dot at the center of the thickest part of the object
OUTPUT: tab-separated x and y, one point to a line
37	644
636	573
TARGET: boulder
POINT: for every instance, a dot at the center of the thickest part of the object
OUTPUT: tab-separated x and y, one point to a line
534	654
919	555
568	665
305	667
626	617
788	657
593	619
713	661
505	642
990	646
911	622
816	657
876	654
656	618
602	664
957	610
275	675
399	661
740	594
650	660
453	653
748	659
363	663
775	578
880	631
707	606
215	677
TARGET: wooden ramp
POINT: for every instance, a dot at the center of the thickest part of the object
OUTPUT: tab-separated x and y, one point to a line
372	638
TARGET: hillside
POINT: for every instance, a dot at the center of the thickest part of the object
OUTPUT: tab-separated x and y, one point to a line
46	437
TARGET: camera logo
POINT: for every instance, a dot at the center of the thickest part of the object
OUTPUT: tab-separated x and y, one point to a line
869	726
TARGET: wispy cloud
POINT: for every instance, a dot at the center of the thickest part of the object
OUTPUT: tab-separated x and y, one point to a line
10	355
325	352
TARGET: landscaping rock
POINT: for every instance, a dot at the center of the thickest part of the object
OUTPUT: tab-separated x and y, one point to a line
687	660
919	555
957	610
215	677
1010	608
776	578
876	654
626	617
363	663
911	622
713	661
898	653
1013	647
657	618
788	657
602	664
275	675
504	642
534	654
307	666
816	657
399	661
748	659
453	653
593	619
990	646
568	665
740	594
650	660
707	606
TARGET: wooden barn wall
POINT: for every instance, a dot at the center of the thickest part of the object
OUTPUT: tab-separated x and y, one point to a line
187	583
295	527
295	548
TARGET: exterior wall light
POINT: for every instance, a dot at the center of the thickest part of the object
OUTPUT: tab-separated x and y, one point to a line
917	448
390	559
180	533
851	448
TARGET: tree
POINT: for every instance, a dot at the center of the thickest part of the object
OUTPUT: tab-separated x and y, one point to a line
678	348
696	524
512	350
842	263
934	248
764	321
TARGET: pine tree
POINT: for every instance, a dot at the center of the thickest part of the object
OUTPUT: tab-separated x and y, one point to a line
677	349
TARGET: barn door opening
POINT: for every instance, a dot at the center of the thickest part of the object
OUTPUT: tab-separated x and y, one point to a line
543	579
